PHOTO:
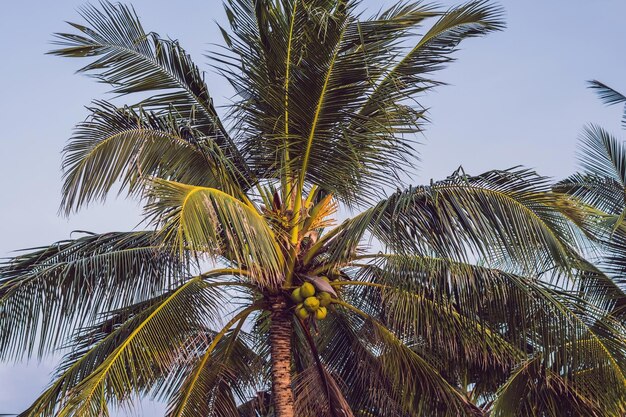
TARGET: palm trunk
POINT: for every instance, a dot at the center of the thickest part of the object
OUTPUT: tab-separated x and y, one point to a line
280	340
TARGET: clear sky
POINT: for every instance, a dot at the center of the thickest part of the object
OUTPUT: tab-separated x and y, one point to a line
516	98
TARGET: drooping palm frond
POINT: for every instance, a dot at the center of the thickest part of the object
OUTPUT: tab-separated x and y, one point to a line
88	348
117	363
538	388
602	286
600	186
604	193
533	390
609	96
602	154
507	316
495	216
317	391
499	216
444	306
601	183
207	220
46	293
348	355
126	146
132	60
418	385
217	379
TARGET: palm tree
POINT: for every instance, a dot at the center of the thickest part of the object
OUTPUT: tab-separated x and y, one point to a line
600	188
244	297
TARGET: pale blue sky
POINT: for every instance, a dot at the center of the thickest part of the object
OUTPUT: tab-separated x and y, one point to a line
516	98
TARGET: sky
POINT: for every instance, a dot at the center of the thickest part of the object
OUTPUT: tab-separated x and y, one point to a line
516	97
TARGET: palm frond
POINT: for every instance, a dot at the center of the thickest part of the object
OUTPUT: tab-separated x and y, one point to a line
346	351
318	393
603	193
600	284
534	389
602	154
339	246
528	314
208	220
475	18
501	216
600	189
127	146
609	96
217	378
316	390
419	384
48	292
446	306
118	362
337	116
132	60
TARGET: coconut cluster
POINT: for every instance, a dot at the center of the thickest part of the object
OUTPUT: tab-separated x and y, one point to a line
309	302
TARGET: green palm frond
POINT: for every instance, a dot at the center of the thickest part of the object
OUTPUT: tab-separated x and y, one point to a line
534	389
602	154
127	146
208	220
475	18
600	186
514	317
339	246
614	261
602	285
47	292
602	181
609	96
447	306
316	389
420	386
217	377
130	358
408	77
501	216
339	102
89	347
349	356
604	193
134	61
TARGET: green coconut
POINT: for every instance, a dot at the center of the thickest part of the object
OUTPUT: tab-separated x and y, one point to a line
324	298
307	290
311	304
296	296
301	312
320	313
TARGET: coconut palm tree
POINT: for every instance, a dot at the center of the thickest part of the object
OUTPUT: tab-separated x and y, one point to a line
244	296
599	187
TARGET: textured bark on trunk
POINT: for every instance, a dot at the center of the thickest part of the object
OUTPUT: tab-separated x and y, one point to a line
280	340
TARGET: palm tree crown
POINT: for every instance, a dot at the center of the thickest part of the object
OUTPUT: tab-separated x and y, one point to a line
244	297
